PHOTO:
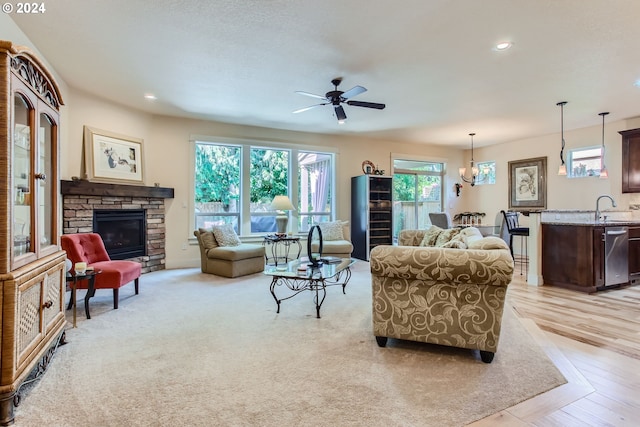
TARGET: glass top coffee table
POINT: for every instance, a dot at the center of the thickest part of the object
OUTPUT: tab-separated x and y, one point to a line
297	276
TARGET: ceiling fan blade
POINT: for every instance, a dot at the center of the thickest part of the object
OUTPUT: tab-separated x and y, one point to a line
309	108
367	104
340	114
356	90
313	95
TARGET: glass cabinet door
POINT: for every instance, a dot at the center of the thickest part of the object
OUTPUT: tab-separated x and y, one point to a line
21	163
44	177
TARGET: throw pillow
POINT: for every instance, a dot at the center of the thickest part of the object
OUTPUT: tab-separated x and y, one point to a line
431	235
455	243
446	236
470	234
490	242
331	230
225	235
208	240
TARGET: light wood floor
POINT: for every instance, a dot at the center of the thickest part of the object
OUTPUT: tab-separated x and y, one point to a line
594	340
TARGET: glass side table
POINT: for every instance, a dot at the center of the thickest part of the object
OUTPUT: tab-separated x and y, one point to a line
73	278
281	247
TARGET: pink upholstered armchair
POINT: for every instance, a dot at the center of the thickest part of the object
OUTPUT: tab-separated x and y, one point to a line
89	248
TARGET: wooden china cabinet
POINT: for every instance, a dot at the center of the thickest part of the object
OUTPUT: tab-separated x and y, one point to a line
32	273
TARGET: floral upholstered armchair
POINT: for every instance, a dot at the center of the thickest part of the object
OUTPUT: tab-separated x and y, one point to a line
448	294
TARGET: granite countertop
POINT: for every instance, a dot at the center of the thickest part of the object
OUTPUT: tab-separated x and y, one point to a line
585	218
592	223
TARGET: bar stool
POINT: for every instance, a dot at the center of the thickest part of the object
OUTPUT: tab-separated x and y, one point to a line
514	229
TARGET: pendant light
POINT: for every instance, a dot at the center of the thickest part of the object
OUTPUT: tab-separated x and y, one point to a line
474	170
603	170
562	170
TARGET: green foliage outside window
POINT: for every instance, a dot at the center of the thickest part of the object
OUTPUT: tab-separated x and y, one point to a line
269	169
404	187
218	173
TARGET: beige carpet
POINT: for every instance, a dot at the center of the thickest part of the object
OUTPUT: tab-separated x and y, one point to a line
198	350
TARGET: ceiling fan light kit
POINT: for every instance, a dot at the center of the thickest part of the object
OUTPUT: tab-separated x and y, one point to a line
337	97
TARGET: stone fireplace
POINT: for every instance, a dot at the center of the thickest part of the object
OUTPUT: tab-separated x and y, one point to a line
82	199
123	231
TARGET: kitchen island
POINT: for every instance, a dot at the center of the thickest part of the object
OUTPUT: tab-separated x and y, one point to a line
535	220
589	256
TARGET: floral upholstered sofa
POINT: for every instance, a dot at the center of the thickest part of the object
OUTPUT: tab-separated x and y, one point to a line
449	292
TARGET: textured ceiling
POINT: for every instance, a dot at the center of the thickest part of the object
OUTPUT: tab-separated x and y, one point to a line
432	62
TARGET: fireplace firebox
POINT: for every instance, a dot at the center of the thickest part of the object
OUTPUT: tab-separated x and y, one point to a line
124	232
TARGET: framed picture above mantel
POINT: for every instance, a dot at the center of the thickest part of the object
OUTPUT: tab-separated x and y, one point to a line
112	158
528	184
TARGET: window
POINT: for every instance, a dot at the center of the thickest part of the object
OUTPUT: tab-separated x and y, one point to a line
486	173
235	183
268	178
217	185
583	162
314	188
417	190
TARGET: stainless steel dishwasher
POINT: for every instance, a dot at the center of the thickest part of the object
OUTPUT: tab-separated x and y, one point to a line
616	256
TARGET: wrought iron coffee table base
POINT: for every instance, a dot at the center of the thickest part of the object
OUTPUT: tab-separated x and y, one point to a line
317	285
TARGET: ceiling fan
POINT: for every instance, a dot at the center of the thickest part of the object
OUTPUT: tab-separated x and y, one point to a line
337	97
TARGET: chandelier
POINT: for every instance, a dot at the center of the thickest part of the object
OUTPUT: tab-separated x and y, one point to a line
475	172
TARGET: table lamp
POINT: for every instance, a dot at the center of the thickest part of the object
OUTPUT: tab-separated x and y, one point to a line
282	204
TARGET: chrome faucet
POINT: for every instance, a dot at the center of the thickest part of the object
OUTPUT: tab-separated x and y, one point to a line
613	203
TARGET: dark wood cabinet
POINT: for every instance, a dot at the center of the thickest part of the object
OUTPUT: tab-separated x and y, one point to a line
630	161
589	257
634	253
572	256
371	213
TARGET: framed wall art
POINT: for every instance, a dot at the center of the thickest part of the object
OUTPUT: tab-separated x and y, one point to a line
528	184
112	158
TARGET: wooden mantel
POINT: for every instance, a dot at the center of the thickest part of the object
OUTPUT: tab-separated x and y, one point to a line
87	188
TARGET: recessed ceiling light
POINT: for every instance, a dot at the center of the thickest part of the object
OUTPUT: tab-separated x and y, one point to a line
150	96
637	83
503	45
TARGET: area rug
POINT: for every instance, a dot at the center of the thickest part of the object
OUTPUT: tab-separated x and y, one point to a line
194	349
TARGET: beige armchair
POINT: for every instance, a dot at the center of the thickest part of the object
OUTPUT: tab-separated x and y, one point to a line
335	244
439	295
228	261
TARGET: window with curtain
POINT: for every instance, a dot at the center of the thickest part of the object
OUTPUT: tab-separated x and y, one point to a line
315	171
